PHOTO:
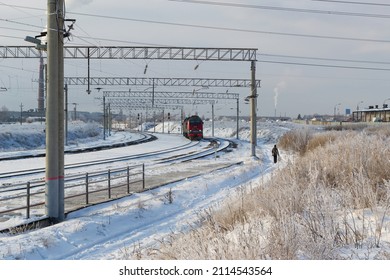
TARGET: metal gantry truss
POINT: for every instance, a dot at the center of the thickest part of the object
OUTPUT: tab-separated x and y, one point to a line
129	52
171	82
166	95
148	100
142	105
57	52
158	53
159	103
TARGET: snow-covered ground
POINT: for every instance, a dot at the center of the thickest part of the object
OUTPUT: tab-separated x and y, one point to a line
107	231
29	138
115	230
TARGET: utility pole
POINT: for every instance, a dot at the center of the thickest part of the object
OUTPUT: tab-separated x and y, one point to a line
54	191
21	113
253	101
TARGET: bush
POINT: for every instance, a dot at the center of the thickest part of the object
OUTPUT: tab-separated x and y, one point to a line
334	196
295	140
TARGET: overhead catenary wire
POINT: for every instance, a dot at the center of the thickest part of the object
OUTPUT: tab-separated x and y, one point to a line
218	28
7	36
284	9
85	39
240	5
20	23
323	65
260	58
242	30
250	30
354	3
17	29
325	59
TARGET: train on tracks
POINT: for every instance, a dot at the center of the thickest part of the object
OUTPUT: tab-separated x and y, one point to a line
192	128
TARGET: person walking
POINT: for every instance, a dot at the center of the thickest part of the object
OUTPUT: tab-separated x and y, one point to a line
275	153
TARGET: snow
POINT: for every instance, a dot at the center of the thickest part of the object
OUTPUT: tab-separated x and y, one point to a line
103	231
111	231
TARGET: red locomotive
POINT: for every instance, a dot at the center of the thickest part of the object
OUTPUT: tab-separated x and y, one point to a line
192	128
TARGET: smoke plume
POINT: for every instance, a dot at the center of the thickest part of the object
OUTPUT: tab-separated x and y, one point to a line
280	85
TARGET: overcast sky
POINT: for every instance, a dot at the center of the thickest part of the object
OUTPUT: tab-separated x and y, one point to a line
312	55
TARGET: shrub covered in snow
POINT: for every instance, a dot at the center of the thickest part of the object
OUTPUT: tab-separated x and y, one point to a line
80	132
14	137
331	202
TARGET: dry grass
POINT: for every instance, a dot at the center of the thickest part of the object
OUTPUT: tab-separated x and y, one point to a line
334	195
295	141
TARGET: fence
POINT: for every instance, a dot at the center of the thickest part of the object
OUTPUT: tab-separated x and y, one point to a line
80	190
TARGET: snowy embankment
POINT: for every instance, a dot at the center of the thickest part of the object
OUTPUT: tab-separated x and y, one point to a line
111	230
31	136
18	140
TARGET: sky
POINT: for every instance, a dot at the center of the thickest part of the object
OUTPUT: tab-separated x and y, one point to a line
314	57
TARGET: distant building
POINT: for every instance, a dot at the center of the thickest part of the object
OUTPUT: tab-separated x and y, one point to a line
372	114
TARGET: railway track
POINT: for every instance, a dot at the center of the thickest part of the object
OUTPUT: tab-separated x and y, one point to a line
75	150
216	145
161	160
93	163
182	153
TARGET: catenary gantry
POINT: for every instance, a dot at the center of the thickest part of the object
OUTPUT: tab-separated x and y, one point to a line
57	52
125	52
151	53
170	95
141	81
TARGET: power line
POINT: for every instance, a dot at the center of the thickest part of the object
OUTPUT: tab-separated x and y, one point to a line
23	7
7	36
216	28
21	23
84	38
16	68
119	41
354	3
284	9
17	29
234	29
262	7
324	65
326	59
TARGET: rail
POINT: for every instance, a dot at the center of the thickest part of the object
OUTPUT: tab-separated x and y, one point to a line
80	190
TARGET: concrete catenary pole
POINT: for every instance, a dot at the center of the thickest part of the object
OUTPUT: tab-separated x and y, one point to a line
54	191
253	101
